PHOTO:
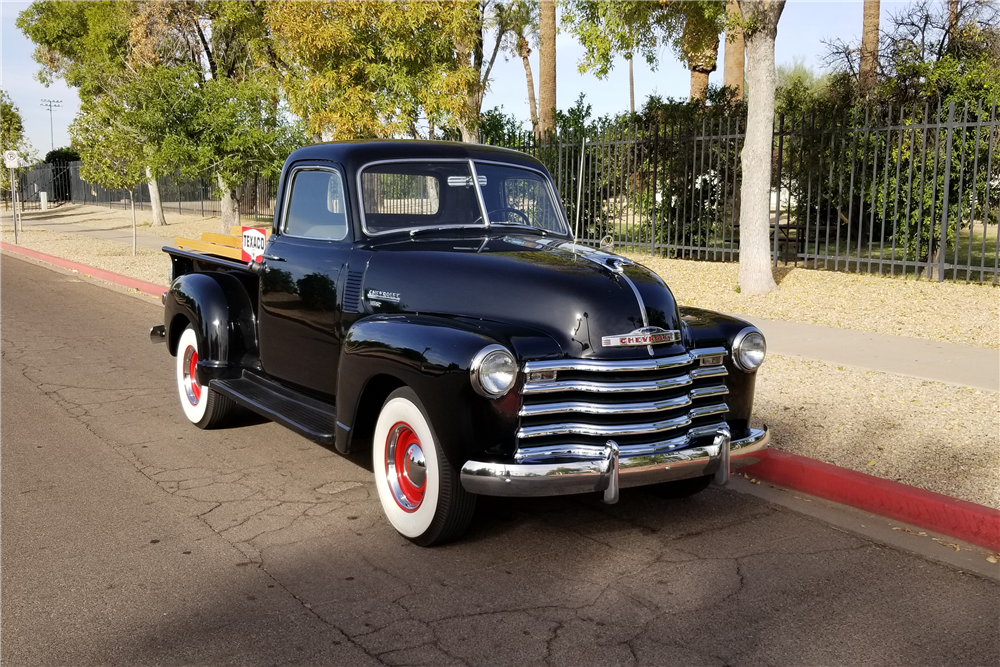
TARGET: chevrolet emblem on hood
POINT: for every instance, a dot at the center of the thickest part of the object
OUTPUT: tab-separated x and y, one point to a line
643	336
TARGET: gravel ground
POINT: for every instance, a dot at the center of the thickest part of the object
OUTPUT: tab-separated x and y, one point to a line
967	314
935	436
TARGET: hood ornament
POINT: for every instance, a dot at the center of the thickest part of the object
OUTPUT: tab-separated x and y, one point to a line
642	336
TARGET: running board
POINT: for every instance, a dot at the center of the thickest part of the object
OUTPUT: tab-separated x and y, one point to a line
303	414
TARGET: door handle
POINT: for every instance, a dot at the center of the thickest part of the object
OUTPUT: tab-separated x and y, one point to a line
273	258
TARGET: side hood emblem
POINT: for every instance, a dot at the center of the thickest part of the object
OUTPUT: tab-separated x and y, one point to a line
642	336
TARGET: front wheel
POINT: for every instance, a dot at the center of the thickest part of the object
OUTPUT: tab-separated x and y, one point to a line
202	405
420	492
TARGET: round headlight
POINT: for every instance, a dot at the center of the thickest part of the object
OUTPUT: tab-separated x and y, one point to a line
749	349
493	371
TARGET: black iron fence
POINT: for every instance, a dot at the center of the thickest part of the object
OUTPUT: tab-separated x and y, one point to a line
912	190
255	196
903	191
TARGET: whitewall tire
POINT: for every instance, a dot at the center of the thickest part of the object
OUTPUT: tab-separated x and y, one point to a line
420	493
202	406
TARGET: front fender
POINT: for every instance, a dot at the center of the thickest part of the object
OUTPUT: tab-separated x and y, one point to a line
706	328
219	308
432	356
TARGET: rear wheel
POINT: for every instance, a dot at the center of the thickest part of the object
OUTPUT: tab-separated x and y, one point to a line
420	492
202	405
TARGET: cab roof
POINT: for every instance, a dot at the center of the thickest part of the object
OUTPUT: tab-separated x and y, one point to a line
353	155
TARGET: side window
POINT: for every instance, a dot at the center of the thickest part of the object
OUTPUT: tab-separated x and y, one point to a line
316	207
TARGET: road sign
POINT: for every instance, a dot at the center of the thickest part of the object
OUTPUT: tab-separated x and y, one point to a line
11	159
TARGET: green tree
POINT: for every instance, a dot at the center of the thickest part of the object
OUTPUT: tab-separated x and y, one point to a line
113	154
374	69
11	136
607	28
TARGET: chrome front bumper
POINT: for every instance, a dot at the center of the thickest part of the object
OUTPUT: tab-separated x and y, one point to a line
614	470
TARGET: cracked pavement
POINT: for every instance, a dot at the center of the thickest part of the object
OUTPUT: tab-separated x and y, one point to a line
131	537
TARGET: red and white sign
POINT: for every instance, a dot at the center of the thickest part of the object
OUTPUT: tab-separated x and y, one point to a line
254	241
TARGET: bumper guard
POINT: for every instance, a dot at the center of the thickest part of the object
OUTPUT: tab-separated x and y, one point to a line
616	470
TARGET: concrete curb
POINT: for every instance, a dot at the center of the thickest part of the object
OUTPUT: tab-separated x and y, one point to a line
116	278
976	524
963	520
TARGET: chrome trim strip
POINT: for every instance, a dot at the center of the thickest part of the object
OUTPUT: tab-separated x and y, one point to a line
586	407
479	193
605	408
605	387
708	372
604	430
553	479
623	366
705	392
622	429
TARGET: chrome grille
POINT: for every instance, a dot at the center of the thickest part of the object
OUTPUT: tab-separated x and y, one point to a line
647	406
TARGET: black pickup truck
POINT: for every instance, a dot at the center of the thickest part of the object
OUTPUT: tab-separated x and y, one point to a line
426	302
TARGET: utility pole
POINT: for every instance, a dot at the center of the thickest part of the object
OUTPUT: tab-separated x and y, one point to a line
52	104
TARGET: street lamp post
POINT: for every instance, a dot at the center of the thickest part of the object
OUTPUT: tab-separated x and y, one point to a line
52	104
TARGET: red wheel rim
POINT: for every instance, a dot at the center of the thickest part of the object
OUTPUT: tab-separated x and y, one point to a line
404	467
191	386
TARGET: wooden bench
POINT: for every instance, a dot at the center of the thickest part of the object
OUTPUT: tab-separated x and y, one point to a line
229	245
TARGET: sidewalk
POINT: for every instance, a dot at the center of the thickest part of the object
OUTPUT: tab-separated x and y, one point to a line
928	360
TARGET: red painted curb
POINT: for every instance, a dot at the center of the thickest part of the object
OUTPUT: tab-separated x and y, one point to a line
966	521
116	278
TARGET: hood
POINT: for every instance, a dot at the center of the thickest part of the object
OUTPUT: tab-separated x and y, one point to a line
576	295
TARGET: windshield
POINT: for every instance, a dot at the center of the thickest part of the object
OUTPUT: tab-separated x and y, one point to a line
422	194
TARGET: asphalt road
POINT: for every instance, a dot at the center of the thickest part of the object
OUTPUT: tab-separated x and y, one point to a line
130	537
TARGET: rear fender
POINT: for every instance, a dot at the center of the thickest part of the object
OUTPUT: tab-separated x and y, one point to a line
219	307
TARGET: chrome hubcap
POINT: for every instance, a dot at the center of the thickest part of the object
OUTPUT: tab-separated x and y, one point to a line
405	469
191	387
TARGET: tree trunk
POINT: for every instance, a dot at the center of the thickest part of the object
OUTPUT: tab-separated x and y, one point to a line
230	206
159	220
631	83
699	85
701	61
755	273
547	67
524	50
132	200
734	72
869	49
952	24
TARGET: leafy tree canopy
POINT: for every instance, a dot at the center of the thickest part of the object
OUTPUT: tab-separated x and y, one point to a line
371	69
926	55
65	154
607	28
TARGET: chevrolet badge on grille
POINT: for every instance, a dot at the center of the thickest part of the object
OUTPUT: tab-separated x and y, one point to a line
642	336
